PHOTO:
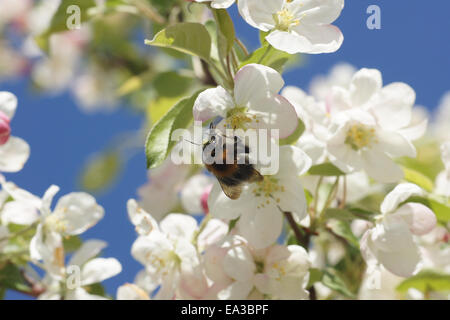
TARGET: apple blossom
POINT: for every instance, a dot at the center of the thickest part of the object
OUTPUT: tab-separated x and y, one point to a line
73	214
373	126
159	195
391	242
14	152
21	209
193	192
166	250
277	272
255	102
91	270
340	75
261	204
296	26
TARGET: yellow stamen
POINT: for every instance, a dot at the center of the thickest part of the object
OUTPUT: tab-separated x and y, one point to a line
360	136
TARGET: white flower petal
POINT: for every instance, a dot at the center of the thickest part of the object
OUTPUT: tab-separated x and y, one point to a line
214	231
142	220
293	160
365	83
236	291
222	4
395	144
19	212
307	39
47	199
80	212
8	104
212	103
238	263
13	155
261	226
222	207
145	248
393	106
179	226
415	132
254	82
403	263
259	13
213	264
192	192
380	167
99	269
275	112
88	250
420	219
48	247
319	11
398	195
131	291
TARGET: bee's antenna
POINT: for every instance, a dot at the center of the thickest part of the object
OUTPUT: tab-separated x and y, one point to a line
197	144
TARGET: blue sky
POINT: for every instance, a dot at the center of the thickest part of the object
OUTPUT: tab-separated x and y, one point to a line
413	46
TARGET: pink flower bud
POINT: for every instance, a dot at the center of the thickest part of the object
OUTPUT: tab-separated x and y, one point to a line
204	199
5	129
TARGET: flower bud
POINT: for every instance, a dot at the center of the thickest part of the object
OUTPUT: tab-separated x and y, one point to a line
5	129
204	199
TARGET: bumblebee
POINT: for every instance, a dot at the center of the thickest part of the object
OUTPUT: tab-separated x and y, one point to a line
228	161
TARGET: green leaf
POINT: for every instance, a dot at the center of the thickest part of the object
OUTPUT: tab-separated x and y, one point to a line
315	275
343	230
96	289
159	107
159	143
326	170
262	37
349	214
226	32
171	84
72	244
418	178
59	20
426	281
101	171
12	278
268	56
333	280
187	37
232	224
441	210
295	135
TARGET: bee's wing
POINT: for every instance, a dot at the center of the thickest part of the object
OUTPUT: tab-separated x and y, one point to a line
232	192
255	176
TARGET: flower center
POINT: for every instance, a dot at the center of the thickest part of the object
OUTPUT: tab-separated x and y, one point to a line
237	118
55	223
277	271
163	263
360	136
285	20
266	189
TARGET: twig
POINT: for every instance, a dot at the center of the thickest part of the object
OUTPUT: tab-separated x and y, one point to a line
242	46
149	11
